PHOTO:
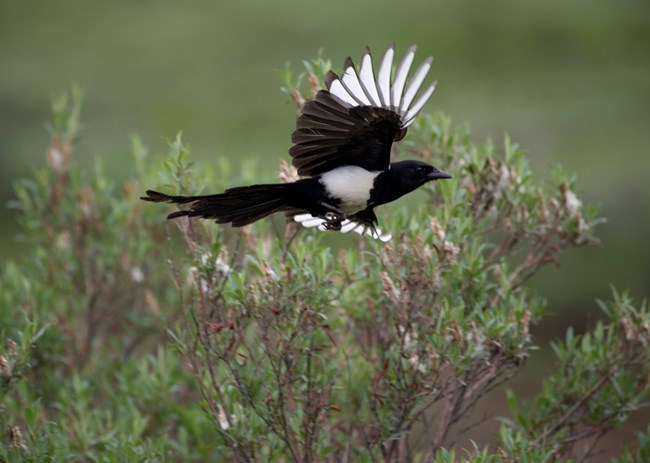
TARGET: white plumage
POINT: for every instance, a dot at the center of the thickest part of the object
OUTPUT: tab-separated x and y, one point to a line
367	79
309	221
350	184
400	78
383	77
396	94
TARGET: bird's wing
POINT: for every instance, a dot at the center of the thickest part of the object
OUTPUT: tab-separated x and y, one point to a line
357	119
355	224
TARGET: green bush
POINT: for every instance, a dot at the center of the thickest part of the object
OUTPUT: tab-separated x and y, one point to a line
127	338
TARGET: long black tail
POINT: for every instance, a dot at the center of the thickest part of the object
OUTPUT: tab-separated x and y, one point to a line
238	206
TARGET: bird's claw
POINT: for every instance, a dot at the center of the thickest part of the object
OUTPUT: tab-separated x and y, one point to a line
333	221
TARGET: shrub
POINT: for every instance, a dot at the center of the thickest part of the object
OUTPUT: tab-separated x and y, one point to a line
130	340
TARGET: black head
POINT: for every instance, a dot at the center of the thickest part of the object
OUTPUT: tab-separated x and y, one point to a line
417	173
404	177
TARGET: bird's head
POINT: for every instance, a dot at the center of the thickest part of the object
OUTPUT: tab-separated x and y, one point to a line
414	174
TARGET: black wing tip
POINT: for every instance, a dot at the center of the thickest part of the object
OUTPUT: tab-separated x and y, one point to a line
330	77
155	197
158	197
177	214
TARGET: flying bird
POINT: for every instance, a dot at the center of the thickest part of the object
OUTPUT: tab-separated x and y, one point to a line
342	147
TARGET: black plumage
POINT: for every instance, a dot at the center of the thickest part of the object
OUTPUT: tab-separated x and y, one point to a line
342	144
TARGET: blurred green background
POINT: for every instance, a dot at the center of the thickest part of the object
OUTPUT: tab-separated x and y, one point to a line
569	81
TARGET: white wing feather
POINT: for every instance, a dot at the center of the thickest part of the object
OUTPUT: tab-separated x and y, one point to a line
419	103
337	89
383	78
367	78
396	94
414	85
309	221
350	81
400	77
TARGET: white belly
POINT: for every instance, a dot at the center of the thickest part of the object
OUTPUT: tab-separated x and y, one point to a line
351	185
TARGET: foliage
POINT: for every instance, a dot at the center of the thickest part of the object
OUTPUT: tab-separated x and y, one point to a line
128	340
85	372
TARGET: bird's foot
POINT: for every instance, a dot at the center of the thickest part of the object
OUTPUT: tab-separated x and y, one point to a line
333	221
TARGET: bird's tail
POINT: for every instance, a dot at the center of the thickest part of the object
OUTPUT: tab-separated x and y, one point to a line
238	206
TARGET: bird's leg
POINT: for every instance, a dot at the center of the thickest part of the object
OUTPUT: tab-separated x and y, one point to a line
333	221
333	218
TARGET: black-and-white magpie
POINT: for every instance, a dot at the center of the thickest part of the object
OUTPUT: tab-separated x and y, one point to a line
342	145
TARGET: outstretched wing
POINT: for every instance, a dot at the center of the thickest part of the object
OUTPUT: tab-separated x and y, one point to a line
356	120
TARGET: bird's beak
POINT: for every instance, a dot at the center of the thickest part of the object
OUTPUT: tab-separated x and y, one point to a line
438	175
